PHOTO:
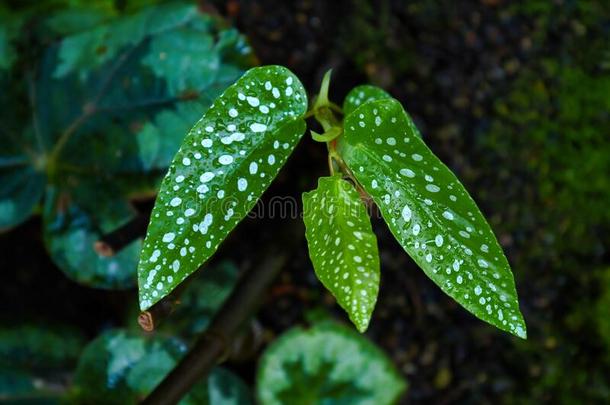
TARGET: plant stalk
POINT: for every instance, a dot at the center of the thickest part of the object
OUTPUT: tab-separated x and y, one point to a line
213	345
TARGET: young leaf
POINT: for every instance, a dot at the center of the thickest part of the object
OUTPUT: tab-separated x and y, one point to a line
327	364
362	94
226	162
342	246
430	213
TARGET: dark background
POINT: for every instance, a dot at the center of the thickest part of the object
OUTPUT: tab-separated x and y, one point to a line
512	96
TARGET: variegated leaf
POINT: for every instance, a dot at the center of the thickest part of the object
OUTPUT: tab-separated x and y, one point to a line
430	213
362	94
343	247
225	163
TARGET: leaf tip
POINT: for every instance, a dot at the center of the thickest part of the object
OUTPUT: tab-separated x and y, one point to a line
521	329
362	326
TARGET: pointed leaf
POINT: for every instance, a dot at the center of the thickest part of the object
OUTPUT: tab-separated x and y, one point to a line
362	94
226	162
430	213
343	247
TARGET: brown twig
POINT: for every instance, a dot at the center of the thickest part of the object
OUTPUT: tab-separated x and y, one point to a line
149	320
214	344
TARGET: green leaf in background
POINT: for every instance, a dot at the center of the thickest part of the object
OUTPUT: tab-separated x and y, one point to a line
158	138
226	162
362	94
601	309
123	367
343	247
326	364
111	103
34	359
70	232
225	388
21	188
77	19
39	349
9	28
89	49
200	300
22	177
430	213
18	387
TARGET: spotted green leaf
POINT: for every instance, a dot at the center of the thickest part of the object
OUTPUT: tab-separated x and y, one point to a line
430	213
362	94
343	247
225	163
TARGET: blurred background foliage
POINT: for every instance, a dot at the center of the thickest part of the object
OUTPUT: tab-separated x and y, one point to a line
97	95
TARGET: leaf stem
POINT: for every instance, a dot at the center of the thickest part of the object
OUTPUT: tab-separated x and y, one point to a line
213	345
331	166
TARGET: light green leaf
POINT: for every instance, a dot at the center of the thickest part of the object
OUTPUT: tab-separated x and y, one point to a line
362	94
343	247
226	162
430	213
327	364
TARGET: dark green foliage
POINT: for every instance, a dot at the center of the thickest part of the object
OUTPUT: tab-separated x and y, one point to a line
32	348
200	300
32	358
110	105
122	368
326	364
